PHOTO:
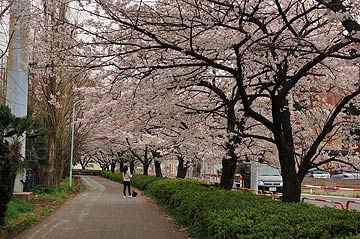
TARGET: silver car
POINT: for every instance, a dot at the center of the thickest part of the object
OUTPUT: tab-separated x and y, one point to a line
269	179
345	175
318	174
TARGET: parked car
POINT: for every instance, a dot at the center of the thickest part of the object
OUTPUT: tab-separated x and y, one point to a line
345	174
317	173
269	178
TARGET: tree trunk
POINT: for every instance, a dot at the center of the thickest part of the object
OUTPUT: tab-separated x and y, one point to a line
146	168
121	165
291	183
113	165
146	164
182	168
132	166
48	171
158	169
230	160
285	146
59	162
228	168
66	170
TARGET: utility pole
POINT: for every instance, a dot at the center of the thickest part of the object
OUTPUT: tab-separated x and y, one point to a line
17	64
72	141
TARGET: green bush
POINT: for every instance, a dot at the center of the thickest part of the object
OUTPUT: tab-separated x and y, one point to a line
86	172
212	213
164	189
17	207
141	181
118	177
56	191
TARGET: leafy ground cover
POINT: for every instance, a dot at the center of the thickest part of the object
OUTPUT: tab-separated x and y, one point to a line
209	212
22	214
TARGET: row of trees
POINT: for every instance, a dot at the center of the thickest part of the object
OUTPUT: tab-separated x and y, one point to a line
257	73
219	81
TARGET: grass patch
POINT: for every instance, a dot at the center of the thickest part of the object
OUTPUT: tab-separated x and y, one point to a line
21	214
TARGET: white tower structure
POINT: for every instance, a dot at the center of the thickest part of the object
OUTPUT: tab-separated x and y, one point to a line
17	66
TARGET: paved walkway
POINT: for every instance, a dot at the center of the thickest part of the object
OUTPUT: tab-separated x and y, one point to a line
101	212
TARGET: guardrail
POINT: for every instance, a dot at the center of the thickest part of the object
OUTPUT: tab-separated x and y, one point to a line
210	178
351	201
330	188
325	201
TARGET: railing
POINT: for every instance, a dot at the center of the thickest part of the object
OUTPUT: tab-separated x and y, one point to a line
330	188
325	201
351	201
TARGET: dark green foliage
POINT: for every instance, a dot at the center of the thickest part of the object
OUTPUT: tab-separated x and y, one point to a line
164	189
209	212
36	146
117	177
8	167
53	191
86	172
141	181
17	207
10	128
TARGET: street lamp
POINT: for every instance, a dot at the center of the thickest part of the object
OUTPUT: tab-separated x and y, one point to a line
72	141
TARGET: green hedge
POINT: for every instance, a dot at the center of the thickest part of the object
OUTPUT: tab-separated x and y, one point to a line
138	180
142	181
86	172
117	177
212	213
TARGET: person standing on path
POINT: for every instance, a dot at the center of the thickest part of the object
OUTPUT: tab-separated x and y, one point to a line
127	178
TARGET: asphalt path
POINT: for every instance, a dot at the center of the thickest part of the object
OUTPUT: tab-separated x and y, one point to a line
101	212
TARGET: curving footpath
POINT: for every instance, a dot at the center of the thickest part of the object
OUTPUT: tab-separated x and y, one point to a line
101	212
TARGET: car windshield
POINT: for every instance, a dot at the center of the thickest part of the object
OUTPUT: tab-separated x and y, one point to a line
265	170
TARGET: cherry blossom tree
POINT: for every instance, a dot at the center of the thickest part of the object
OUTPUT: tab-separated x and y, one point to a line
251	56
52	80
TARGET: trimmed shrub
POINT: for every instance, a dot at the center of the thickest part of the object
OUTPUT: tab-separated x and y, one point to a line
209	212
141	181
86	172
164	189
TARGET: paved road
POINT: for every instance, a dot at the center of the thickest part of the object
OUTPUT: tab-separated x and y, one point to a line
101	212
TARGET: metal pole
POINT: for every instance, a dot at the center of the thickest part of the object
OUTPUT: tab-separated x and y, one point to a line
72	142
254	175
